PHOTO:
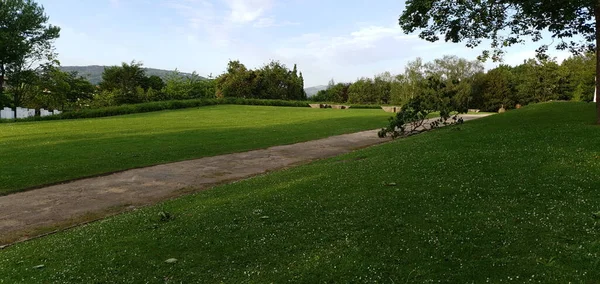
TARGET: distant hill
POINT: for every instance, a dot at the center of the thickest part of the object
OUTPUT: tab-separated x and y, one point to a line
314	90
94	72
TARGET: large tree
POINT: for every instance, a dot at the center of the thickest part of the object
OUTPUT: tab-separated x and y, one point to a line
123	81
573	24
25	37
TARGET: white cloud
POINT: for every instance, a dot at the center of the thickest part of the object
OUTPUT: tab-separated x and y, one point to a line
366	45
247	11
345	57
518	57
271	22
219	21
115	3
265	22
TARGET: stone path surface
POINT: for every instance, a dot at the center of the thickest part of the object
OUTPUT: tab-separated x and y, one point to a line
32	213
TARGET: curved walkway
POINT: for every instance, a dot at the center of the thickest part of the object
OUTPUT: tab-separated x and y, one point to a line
33	213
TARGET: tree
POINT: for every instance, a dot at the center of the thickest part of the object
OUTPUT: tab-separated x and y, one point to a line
23	87
272	81
383	87
506	23
176	86
408	84
182	87
153	82
581	72
364	91
452	67
238	81
499	88
59	88
457	76
334	93
539	81
123	80
25	38
200	87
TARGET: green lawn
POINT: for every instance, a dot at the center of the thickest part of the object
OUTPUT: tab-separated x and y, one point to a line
511	197
39	153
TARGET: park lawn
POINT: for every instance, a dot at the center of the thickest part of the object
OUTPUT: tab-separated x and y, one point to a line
510	197
41	153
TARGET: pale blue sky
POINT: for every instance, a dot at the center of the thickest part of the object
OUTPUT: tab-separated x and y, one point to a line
328	39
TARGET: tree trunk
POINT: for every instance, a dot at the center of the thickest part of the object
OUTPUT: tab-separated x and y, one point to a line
597	94
2	73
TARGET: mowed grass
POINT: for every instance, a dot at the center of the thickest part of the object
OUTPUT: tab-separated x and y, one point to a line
511	197
40	153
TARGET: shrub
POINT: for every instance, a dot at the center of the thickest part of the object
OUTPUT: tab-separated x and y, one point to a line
158	106
413	117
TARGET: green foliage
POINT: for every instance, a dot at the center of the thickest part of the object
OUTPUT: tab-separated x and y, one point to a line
128	84
104	106
534	81
464	83
49	88
60	90
23	87
177	87
5	100
180	87
413	116
238	82
273	81
503	23
508	23
276	81
335	93
581	74
355	106
363	91
25	37
123	81
153	82
455	74
500	89
93	73
372	91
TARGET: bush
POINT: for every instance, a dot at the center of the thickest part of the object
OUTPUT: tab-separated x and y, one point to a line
158	106
412	118
365	106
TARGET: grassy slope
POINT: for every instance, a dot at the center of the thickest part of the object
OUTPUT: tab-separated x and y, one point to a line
508	197
45	152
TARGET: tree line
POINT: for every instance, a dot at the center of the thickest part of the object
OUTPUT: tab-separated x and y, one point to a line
536	80
49	87
29	77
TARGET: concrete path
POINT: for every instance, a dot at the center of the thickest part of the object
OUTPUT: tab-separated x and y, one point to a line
33	213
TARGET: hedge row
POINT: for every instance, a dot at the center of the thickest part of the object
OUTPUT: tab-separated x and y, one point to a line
365	106
354	106
158	106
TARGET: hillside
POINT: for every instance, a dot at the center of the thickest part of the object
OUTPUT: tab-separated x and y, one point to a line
311	91
94	72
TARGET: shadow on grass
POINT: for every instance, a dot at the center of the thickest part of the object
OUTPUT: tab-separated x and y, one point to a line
31	163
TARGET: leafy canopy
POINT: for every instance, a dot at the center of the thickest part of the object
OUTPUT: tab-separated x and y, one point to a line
504	22
25	36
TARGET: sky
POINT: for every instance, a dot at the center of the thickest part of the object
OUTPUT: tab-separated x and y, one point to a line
327	39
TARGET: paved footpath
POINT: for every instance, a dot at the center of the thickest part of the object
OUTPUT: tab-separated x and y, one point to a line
33	213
